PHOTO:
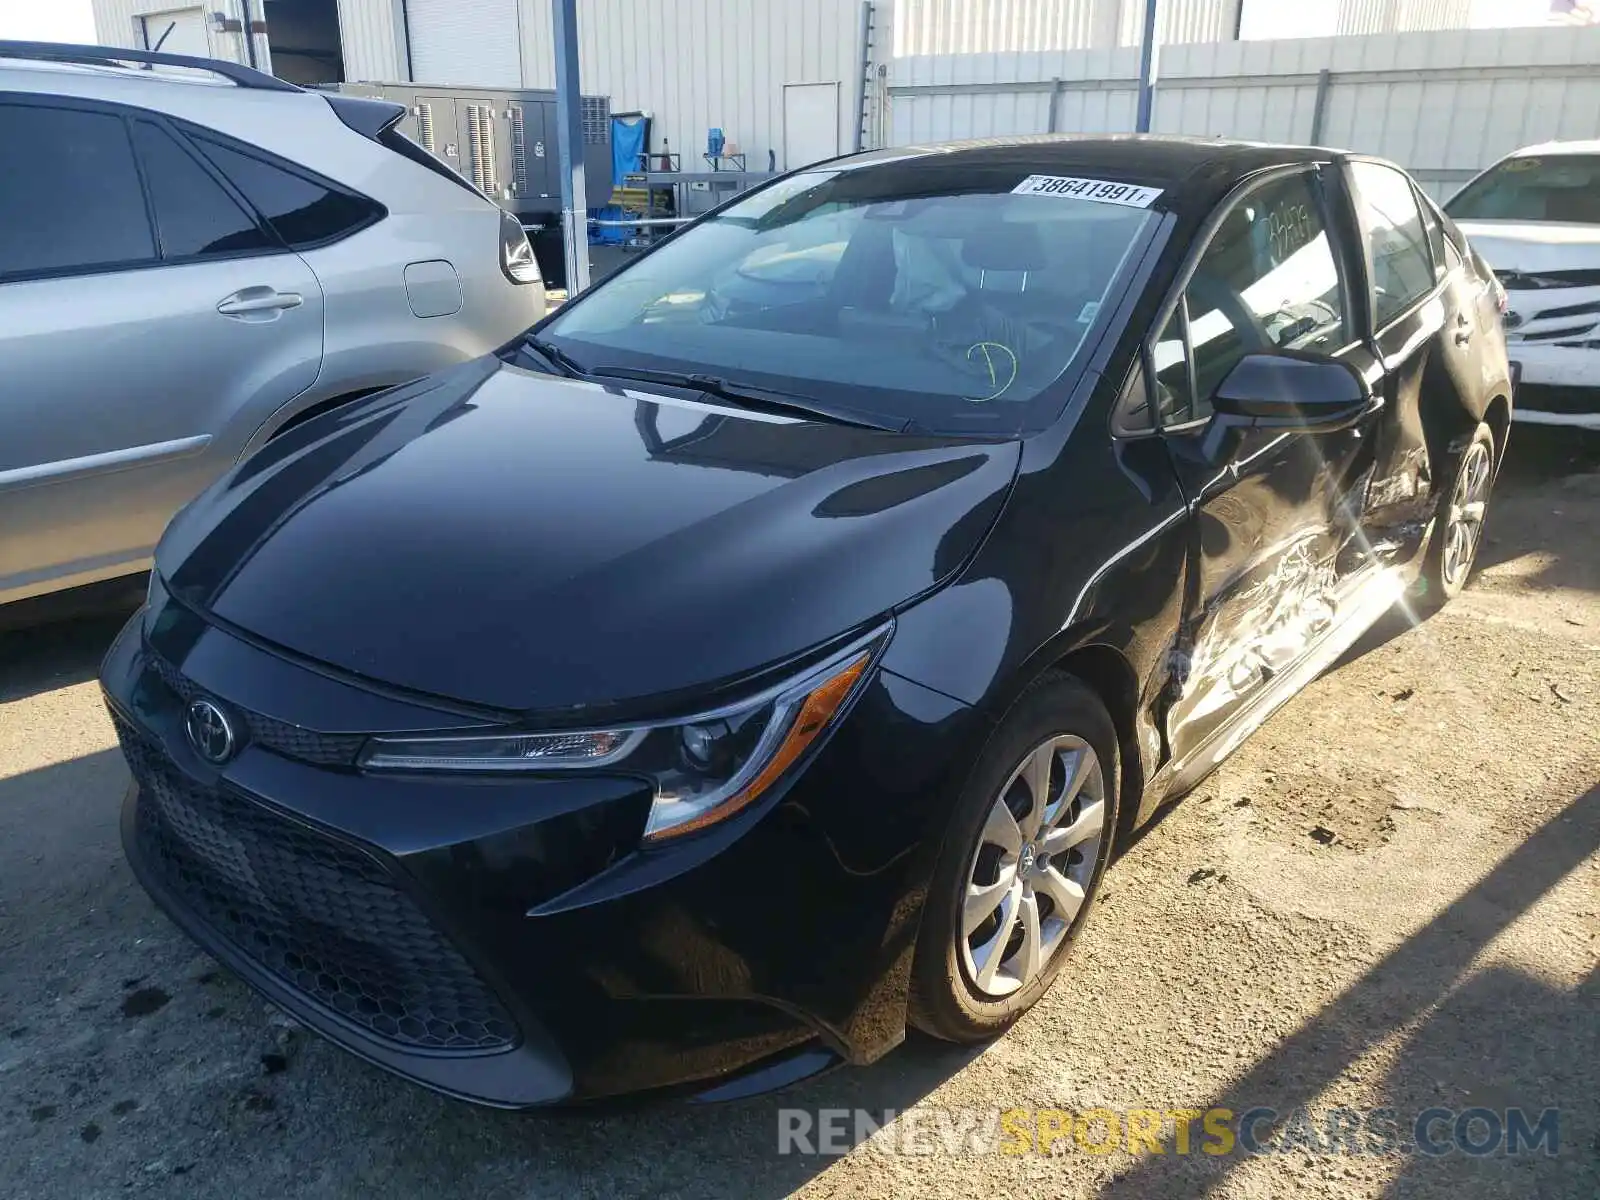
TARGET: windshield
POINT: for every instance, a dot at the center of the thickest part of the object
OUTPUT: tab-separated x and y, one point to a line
928	294
1562	187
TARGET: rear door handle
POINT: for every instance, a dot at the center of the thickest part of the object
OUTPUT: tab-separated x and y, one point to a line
1463	330
258	301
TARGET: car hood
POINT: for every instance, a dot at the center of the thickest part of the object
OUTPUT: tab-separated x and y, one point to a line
1531	247
525	542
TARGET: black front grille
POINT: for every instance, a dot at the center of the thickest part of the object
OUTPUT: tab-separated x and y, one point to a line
1539	397
291	741
1522	281
323	917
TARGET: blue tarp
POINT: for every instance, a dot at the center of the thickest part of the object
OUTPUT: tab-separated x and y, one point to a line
627	144
607	235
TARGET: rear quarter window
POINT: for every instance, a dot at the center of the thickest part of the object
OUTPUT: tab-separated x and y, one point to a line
304	210
195	217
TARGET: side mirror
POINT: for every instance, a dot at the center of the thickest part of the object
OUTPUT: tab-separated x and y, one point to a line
1285	391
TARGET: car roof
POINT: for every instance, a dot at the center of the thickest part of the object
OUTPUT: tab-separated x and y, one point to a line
1547	149
1198	171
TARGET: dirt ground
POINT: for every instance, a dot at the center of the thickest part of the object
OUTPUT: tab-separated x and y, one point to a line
1390	897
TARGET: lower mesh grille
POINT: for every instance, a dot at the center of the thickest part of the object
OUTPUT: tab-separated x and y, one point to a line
323	917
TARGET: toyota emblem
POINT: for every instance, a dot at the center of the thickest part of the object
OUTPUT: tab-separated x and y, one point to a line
210	732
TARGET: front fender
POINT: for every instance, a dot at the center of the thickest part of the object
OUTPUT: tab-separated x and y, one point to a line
1085	566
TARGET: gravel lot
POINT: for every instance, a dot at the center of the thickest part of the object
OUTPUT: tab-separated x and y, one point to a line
1389	897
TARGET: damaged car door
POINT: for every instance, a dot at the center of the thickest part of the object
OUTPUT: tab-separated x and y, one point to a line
1274	502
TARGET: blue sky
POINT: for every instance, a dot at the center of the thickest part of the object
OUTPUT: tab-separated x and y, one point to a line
47	20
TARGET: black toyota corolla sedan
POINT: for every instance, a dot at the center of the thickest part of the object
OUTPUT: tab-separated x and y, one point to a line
769	650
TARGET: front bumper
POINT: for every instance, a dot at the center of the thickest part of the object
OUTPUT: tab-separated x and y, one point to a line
505	940
1559	381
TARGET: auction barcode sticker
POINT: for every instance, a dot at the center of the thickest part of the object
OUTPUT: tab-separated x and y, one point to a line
1102	191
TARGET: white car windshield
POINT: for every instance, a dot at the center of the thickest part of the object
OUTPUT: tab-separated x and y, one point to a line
914	293
1558	187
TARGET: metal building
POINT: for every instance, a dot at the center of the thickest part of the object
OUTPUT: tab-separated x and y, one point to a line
799	80
296	39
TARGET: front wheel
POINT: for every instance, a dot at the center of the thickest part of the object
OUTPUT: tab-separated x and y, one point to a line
1458	526
1022	861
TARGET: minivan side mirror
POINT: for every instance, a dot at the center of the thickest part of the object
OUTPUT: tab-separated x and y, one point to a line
1308	393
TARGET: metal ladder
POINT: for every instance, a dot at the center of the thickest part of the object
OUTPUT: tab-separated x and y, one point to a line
869	69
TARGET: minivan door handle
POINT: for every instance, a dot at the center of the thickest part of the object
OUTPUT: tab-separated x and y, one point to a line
1463	330
259	303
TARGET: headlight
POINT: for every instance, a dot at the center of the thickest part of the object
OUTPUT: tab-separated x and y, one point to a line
704	768
516	254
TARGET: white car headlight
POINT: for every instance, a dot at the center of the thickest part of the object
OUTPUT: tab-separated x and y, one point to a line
705	768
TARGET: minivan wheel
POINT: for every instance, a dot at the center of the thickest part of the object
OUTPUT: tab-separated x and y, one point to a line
1020	865
1458	526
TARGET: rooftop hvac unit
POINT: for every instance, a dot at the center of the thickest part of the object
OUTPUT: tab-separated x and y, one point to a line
480	149
504	141
424	115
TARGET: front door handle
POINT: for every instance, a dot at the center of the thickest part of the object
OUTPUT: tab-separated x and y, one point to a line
259	302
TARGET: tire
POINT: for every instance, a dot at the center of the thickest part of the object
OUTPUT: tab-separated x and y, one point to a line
972	995
1460	515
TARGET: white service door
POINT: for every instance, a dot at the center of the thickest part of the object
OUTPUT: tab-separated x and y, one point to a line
183	30
810	123
467	43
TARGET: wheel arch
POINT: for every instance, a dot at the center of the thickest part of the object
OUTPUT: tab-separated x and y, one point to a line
1498	417
1109	674
305	414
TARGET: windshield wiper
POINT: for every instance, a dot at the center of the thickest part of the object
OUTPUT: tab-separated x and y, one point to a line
555	356
784	404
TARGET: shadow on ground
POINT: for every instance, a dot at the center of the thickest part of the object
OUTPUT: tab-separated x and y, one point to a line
1504	1015
56	641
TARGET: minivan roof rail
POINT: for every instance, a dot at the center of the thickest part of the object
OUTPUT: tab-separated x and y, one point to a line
110	56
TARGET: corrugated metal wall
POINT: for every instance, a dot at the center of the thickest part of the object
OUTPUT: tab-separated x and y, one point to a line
998	26
1181	22
465	43
1001	26
1358	17
116	24
369	31
1443	104
702	63
372	40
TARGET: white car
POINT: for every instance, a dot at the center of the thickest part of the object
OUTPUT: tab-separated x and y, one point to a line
192	258
1535	217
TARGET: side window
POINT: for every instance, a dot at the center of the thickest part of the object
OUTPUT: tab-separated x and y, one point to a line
195	217
1397	240
70	198
1173	396
1436	238
1268	280
302	211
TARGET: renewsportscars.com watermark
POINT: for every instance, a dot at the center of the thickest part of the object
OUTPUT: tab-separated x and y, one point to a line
1435	1132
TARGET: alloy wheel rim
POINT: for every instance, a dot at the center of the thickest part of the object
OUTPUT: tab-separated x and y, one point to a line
1463	532
1036	858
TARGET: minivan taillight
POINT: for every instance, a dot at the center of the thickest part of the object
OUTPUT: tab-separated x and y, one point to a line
516	253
